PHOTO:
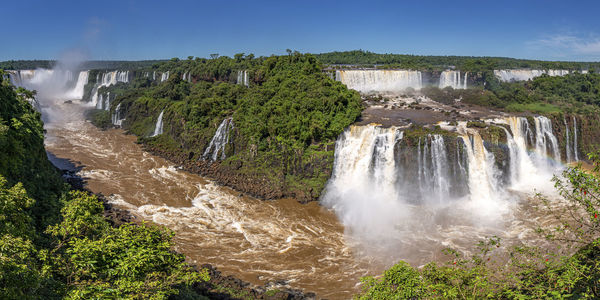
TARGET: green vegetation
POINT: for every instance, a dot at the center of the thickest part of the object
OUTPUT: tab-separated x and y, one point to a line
55	243
362	58
528	272
285	121
573	93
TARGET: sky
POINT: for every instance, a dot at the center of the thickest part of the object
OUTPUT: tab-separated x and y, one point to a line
137	30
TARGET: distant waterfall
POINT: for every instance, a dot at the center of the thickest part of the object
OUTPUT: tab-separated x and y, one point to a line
158	128
154	76
164	76
187	76
107	79
453	80
380	80
219	141
103	101
242	78
575	151
524	74
59	83
118	116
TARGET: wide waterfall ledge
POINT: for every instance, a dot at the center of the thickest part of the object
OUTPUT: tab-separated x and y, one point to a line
454	176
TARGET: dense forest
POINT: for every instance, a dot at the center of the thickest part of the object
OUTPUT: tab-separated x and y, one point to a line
362	58
573	93
286	117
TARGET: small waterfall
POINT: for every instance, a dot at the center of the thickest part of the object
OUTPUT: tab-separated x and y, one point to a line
219	141
453	80
164	76
118	116
575	151
154	76
380	80
524	74
187	76
158	128
242	78
107	102
567	142
544	138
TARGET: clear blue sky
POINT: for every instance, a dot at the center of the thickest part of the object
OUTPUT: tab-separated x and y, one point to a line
136	29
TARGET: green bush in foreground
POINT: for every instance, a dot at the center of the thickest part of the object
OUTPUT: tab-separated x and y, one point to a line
571	271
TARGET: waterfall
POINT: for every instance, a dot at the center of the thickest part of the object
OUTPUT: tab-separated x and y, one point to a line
524	74
107	102
452	79
117	116
154	76
544	138
187	76
158	128
380	80
441	186
164	76
526	169
483	182
382	175
107	79
567	142
242	78
82	80
575	150
219	141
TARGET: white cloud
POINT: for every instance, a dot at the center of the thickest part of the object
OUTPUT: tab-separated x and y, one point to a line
569	45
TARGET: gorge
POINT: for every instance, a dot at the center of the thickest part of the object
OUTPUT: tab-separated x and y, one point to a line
395	188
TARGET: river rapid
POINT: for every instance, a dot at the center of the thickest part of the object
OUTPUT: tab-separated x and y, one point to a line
262	241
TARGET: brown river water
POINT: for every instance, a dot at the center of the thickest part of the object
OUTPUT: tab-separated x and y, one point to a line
254	240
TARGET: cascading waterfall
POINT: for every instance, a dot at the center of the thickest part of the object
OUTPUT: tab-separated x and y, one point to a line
242	78
82	80
453	80
568	142
381	173
524	74
545	139
575	151
164	76
483	184
187	76
107	102
380	80
108	79
158	128
219	141
154	76
117	116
